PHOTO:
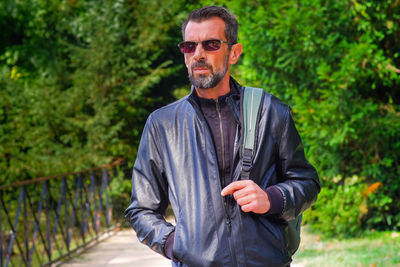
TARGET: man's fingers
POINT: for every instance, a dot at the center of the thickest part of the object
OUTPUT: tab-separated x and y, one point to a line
234	186
248	207
249	196
247	190
245	200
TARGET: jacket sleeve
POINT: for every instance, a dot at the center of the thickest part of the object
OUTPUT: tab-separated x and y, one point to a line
149	198
300	184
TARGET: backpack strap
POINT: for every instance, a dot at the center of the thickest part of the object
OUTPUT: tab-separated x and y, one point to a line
250	116
250	109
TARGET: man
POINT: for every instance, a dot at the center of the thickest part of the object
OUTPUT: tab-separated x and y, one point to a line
190	156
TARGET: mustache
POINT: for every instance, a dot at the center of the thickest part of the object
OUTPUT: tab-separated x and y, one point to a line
201	64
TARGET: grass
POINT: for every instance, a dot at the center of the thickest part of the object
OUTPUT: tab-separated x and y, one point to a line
374	249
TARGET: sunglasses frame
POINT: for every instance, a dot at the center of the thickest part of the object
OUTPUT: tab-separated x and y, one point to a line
202	43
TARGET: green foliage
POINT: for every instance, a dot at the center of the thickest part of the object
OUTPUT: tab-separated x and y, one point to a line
337	64
350	209
344	207
120	189
78	80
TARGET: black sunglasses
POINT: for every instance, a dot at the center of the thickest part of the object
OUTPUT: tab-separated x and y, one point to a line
208	45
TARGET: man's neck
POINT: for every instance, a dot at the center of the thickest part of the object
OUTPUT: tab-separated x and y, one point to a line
213	93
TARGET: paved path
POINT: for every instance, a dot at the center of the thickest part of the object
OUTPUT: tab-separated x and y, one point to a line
122	249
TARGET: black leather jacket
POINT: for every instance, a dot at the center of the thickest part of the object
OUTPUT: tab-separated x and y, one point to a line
176	161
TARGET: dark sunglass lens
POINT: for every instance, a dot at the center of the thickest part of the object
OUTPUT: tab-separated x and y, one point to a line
211	45
187	47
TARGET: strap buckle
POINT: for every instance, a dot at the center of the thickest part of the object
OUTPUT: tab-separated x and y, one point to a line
247	160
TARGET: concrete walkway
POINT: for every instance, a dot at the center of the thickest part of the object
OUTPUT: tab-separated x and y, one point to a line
122	249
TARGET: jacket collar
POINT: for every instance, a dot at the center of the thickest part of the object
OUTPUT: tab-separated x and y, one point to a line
233	99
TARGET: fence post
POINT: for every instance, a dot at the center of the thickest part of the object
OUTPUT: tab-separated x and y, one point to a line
26	229
14	230
48	227
37	223
105	189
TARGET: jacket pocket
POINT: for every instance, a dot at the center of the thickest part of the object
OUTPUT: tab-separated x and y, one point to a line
275	232
177	251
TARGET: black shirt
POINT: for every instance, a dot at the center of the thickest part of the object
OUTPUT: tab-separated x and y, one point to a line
223	128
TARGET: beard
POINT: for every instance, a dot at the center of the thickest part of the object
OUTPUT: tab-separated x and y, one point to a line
206	82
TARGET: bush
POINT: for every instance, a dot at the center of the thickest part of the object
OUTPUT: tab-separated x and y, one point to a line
337	64
120	190
340	211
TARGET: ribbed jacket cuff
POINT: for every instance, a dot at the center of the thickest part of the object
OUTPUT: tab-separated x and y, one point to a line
169	245
276	200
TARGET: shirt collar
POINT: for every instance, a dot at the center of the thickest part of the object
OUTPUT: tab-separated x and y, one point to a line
234	87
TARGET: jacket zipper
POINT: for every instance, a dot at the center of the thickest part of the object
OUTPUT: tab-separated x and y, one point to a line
222	140
223	199
226	205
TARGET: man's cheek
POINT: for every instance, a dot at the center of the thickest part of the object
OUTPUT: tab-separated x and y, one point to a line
187	61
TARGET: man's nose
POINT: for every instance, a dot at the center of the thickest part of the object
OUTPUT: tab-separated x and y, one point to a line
199	52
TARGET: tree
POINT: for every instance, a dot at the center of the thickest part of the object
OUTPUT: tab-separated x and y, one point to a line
78	80
337	64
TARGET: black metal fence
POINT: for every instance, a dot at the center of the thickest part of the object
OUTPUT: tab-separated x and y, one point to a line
46	219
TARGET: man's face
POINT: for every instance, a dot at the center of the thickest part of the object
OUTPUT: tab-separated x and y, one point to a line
206	68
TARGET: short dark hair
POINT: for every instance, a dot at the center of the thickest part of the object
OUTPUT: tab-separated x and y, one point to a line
204	13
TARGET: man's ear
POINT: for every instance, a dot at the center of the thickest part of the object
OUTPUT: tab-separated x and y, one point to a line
236	51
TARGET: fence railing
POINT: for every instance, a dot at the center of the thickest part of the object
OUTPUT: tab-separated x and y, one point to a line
46	219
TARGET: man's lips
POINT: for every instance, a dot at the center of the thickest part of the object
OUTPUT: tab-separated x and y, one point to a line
201	69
